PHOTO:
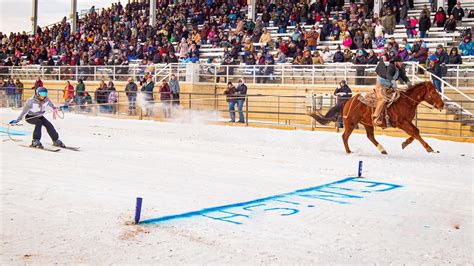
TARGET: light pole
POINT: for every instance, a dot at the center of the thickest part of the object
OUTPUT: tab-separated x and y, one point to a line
73	16
153	13
34	16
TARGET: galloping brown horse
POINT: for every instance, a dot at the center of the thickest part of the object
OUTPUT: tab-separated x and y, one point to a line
401	115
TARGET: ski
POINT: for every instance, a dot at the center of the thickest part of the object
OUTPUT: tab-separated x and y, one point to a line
69	148
44	149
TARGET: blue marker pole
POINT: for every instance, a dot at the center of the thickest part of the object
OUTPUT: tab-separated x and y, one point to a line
138	210
359	174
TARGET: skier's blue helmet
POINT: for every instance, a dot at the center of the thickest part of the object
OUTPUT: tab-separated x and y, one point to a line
43	92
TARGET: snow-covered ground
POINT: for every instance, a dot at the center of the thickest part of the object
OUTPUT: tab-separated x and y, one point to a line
78	207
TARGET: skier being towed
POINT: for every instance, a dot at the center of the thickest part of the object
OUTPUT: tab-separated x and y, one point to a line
34	109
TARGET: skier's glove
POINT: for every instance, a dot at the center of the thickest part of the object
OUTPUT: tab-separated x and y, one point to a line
63	107
13	122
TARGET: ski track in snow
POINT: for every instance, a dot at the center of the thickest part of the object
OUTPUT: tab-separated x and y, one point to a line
78	207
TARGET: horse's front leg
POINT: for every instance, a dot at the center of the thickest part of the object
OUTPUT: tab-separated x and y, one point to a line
407	142
371	136
414	132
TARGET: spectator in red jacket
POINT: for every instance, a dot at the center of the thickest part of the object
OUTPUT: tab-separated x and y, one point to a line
38	83
68	93
440	17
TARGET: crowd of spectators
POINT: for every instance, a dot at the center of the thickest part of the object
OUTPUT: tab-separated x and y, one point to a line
119	34
13	90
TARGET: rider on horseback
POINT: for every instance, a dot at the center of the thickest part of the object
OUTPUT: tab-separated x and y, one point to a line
387	77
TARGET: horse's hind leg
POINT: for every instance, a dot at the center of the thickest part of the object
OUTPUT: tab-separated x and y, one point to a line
414	132
407	142
371	136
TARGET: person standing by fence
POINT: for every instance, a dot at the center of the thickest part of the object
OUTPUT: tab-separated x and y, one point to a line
231	101
11	93
68	93
131	92
165	98
343	93
242	94
19	93
38	83
147	89
101	96
113	98
80	90
175	90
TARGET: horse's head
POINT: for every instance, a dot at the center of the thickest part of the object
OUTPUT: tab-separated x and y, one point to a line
432	96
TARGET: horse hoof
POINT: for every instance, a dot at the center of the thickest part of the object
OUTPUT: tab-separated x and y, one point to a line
430	150
384	152
404	145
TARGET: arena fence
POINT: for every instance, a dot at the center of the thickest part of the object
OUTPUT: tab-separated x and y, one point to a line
330	73
258	110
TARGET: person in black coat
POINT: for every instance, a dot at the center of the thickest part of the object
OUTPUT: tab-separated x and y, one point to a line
458	13
343	93
360	59
372	58
240	98
450	25
325	31
454	56
338	56
451	4
424	24
443	58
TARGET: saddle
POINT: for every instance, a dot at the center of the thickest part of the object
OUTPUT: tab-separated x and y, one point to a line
370	99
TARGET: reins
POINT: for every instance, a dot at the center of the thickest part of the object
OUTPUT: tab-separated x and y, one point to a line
416	102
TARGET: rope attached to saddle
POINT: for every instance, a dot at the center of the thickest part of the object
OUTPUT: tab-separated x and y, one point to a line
391	95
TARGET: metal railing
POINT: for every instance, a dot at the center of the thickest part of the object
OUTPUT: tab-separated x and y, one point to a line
328	74
277	110
450	103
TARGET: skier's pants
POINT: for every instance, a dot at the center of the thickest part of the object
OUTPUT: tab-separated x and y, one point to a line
39	122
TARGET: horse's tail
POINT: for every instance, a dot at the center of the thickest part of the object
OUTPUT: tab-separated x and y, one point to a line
331	115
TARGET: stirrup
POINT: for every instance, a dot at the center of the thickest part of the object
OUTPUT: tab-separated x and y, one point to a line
377	121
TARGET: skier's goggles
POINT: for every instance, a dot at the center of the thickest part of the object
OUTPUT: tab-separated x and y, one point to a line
43	94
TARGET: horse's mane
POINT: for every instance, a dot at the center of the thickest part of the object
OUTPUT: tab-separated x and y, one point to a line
412	88
417	85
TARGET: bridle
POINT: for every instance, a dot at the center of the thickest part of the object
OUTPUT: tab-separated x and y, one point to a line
419	102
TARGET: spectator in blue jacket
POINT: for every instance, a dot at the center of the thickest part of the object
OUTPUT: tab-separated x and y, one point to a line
435	68
19	93
467	46
338	56
11	90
